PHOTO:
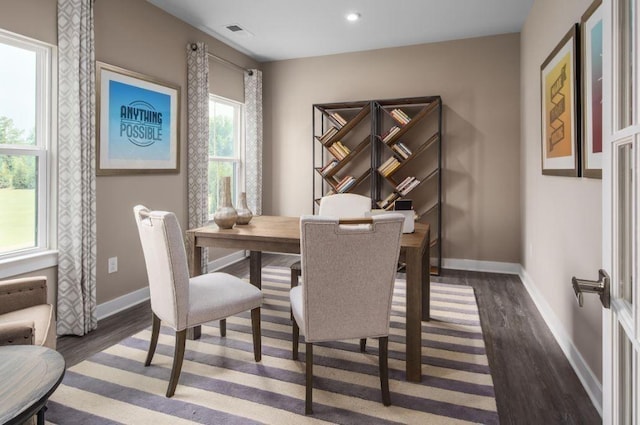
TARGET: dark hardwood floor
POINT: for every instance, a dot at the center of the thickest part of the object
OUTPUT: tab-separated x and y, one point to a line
534	383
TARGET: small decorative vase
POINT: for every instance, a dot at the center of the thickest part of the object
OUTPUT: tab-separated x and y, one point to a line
225	216
244	213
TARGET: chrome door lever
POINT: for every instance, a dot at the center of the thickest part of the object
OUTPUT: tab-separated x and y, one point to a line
600	287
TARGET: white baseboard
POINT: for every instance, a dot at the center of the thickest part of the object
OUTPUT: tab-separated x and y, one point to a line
116	305
481	266
126	301
585	374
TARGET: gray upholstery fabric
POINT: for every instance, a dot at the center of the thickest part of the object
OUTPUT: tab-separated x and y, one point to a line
215	296
349	274
178	301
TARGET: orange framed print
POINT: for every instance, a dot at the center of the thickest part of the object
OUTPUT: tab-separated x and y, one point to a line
591	43
560	109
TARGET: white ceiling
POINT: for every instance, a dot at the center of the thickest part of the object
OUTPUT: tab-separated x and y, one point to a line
286	29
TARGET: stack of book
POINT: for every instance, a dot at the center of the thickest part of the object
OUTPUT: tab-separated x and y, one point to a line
338	150
345	184
386	202
401	149
389	166
407	185
325	170
400	116
390	133
338	118
327	135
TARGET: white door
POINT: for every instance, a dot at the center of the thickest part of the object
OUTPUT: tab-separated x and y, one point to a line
621	162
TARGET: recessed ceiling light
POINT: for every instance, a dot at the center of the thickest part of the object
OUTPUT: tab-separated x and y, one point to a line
352	17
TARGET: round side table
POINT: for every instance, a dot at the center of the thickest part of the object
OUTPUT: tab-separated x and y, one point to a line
29	375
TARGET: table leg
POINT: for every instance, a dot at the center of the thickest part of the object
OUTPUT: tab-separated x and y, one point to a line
40	416
414	315
255	268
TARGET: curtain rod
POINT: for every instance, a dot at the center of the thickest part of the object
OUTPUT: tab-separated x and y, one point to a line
194	46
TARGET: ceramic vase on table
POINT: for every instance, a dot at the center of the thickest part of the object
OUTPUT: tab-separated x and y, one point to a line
225	216
244	213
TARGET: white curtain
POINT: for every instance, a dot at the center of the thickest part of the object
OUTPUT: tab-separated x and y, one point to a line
197	140
76	169
253	134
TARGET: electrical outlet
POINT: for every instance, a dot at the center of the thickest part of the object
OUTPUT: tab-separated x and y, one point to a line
113	264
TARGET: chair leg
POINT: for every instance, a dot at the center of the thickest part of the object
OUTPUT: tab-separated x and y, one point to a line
257	339
383	342
295	274
295	339
155	331
308	401
223	327
178	357
363	345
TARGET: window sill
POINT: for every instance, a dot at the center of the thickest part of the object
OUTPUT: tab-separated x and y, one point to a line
27	263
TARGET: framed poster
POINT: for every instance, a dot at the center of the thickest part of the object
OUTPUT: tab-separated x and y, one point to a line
591	41
138	121
560	129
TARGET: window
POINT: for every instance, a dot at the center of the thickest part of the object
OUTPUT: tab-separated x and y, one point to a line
25	143
226	144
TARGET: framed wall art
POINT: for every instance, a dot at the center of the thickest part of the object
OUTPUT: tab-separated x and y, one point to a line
138	121
591	41
560	109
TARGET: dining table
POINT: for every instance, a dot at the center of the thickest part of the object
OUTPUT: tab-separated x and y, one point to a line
279	234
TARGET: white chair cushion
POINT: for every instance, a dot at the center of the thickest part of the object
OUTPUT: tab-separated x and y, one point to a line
216	296
295	295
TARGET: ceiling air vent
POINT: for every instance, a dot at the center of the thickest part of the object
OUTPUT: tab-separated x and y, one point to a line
234	28
238	31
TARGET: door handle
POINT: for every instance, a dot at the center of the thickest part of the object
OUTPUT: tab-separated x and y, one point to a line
600	287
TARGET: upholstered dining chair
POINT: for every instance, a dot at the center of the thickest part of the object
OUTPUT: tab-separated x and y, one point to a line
182	302
341	205
349	272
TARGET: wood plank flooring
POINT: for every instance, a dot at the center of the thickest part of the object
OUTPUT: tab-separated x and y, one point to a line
534	383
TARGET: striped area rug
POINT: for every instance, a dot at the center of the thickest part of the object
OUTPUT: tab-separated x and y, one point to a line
221	384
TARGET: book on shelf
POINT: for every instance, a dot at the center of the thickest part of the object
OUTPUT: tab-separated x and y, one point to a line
325	170
390	133
404	183
409	187
388	162
399	151
401	146
338	118
327	135
336	152
345	184
345	150
388	200
400	116
389	166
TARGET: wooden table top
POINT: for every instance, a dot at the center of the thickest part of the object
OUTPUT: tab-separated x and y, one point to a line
286	229
29	374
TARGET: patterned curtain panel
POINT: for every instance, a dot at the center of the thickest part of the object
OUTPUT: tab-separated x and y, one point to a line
76	169
198	140
253	119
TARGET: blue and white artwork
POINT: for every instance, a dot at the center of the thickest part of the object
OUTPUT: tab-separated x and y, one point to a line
138	123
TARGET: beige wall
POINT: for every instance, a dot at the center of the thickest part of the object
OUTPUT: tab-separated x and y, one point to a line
478	80
561	216
135	35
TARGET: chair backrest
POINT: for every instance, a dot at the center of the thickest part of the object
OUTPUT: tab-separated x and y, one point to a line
344	205
167	268
349	273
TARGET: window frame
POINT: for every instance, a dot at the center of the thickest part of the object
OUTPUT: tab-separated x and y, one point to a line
239	140
43	254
